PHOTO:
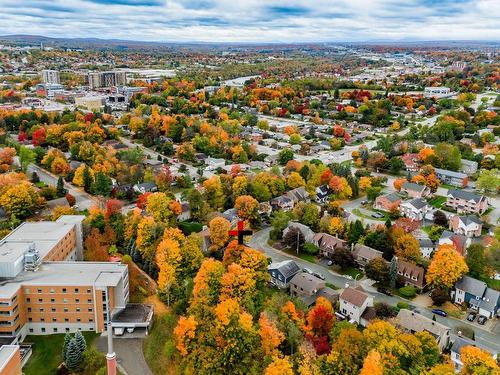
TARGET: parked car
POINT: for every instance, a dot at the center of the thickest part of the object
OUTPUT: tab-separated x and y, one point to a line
307	270
385	291
471	316
482	320
440	312
330	262
319	275
377	215
363	202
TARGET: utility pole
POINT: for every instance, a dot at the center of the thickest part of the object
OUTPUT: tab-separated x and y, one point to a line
111	355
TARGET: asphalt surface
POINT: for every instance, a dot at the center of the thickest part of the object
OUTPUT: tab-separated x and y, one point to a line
259	241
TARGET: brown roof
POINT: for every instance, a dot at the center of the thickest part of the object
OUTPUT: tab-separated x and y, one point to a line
413	271
354	296
325	240
365	252
307	282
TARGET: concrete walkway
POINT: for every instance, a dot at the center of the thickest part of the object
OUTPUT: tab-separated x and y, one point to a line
129	354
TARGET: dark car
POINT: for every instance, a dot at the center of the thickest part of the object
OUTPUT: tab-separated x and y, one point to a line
384	291
440	312
471	316
377	215
482	319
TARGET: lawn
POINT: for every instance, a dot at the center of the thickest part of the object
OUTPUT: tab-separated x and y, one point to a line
437	201
351	271
47	353
357	212
302	255
159	345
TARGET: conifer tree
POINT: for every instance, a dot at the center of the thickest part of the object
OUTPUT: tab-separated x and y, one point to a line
74	356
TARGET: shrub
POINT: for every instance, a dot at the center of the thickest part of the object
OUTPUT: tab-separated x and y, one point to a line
48	193
439	296
408	291
71	199
402	305
383	310
310	248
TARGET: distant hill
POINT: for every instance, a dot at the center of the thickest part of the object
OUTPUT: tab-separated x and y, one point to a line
97	43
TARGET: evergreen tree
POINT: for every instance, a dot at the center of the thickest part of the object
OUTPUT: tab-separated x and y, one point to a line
393	271
87	179
336	94
354	184
102	185
74	357
388	223
80	341
60	190
35	178
67	339
355	232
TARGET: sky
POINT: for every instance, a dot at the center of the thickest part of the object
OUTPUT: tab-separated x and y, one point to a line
254	20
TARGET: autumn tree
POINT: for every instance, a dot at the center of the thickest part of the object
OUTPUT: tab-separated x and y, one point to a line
247	207
163	208
279	366
219	232
20	200
377	269
270	335
398	183
446	268
477	361
372	364
407	247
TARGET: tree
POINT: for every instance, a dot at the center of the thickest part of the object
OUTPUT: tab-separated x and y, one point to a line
295	180
74	357
247	207
20	200
446	156
60	189
356	230
372	193
446	268
476	261
340	187
88	179
378	270
440	218
26	157
294	239
320	318
343	257
393	272
488	180
219	232
163	208
477	362
285	156
70	199
407	247
372	364
279	366
439	296
67	340
271	337
80	341
396	165
102	185
279	221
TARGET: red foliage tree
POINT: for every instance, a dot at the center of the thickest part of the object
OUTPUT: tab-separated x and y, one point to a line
71	199
22	137
38	136
89	117
142	200
320	344
113	206
326	176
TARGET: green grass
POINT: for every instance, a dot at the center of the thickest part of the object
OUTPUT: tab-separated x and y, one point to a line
352	271
330	285
159	345
47	352
357	212
189	227
437	201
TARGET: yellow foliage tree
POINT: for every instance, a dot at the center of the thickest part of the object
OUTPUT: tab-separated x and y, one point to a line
295	180
279	366
446	268
219	232
478	362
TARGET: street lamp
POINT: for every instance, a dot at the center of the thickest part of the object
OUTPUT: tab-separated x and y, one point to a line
355	279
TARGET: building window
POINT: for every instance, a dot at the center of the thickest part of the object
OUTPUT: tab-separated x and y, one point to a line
31	330
90	309
91	320
64	290
52	300
66	329
78	320
76	290
28	299
29	309
42	319
77	309
52	291
30	319
39	291
27	291
66	320
41	309
53	309
89	291
65	300
54	329
77	300
54	319
66	309
40	299
89	300
43	330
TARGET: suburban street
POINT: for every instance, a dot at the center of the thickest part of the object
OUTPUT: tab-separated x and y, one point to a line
259	242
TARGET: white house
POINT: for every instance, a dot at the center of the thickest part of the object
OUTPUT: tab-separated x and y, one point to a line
415	209
214	163
469	226
437	92
353	303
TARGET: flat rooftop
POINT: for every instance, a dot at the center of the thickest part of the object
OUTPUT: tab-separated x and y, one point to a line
43	234
65	273
133	313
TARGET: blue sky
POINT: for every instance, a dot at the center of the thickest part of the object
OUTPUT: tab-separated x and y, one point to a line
254	20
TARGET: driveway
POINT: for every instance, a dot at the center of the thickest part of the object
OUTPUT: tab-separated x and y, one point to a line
129	354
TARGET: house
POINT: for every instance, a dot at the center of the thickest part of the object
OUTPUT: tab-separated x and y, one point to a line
466	202
489	305
282	202
410	274
304	284
327	243
205	240
265	209
427	247
322	193
364	254
468	290
387	202
411	162
353	303
457	179
469	226
458	241
231	215
214	163
185	212
457	346
282	272
469	167
415	190
303	229
298	195
145	187
411	322
416	209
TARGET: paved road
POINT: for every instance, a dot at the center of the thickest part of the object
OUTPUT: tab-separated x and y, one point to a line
83	199
129	354
259	241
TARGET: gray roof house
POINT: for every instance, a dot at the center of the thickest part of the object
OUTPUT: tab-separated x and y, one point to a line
412	322
282	272
415	209
426	247
327	243
298	195
305	284
364	254
466	202
415	190
489	305
304	229
469	290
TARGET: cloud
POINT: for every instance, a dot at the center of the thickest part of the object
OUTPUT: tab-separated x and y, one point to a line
254	20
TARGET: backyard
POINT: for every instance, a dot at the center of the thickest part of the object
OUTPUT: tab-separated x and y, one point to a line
437	201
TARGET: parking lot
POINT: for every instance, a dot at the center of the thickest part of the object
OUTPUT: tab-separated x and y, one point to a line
489	324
